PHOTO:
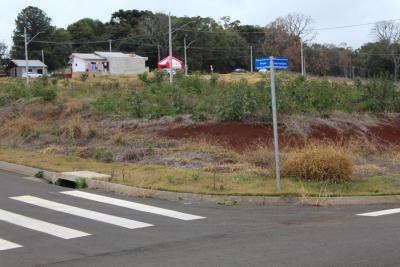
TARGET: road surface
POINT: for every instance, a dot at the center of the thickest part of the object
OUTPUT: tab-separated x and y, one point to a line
47	225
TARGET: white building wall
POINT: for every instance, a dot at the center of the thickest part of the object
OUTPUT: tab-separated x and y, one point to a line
78	65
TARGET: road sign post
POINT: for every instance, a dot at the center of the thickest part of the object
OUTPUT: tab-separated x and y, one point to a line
275	126
272	64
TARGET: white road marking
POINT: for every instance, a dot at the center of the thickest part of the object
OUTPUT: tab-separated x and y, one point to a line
89	214
40	226
5	245
133	205
380	213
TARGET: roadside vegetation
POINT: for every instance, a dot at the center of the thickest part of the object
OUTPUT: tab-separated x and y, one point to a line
118	125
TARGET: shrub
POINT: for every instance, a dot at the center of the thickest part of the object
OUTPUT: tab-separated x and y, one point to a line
84	76
103	154
136	104
73	129
319	163
42	90
214	79
158	76
143	77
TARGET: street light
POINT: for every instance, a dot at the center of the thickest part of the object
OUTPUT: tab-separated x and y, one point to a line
186	46
26	54
171	79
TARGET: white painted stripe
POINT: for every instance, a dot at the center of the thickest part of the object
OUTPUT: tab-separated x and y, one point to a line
133	205
5	245
380	213
40	226
93	215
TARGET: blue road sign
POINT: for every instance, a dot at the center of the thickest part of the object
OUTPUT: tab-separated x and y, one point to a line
279	63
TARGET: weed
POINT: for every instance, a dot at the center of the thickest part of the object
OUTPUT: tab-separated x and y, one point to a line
39	174
103	154
84	76
80	183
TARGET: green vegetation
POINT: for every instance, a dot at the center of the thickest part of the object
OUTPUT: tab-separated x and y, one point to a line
205	99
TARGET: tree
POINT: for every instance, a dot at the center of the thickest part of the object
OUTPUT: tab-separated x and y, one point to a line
35	20
298	25
3	53
88	35
388	33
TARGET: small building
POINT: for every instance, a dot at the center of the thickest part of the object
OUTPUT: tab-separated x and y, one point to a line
115	63
17	67
165	63
87	62
121	63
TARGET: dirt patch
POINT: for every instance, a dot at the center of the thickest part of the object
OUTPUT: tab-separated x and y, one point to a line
242	136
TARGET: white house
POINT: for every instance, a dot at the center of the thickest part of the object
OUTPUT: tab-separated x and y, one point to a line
87	62
115	63
17	67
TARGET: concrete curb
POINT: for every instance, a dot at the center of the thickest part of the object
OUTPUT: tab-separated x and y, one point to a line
54	177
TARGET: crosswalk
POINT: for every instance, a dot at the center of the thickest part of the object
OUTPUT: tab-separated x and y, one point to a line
69	233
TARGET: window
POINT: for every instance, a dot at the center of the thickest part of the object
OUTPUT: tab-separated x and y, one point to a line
40	71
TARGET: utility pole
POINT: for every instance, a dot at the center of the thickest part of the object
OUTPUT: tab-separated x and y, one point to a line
171	78
275	125
302	58
110	45
26	58
159	53
184	47
251	58
42	56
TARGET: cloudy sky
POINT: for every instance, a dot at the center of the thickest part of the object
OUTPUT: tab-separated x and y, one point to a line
260	12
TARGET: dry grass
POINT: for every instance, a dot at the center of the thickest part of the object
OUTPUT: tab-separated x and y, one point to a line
319	163
22	126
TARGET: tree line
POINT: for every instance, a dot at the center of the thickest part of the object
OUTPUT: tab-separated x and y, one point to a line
224	44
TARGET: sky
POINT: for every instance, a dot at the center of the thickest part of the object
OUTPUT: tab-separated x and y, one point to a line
325	13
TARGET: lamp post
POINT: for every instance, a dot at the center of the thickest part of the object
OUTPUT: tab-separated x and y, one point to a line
26	54
186	47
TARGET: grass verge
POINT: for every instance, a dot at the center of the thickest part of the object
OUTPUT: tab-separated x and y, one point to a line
199	181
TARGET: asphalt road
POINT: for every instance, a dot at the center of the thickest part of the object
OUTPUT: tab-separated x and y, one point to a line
41	226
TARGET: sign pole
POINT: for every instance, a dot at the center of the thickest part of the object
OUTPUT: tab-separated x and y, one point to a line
275	126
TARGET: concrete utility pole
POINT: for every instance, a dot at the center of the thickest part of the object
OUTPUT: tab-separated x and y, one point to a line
159	53
302	58
251	58
26	58
186	47
171	78
110	45
26	54
275	125
42	56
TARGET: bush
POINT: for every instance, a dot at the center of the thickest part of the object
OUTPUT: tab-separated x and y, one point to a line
143	77
319	163
103	154
84	76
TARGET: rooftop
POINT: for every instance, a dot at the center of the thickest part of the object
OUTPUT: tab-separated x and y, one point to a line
31	63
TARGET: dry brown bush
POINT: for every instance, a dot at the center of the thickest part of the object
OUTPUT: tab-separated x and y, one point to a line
73	128
319	163
22	126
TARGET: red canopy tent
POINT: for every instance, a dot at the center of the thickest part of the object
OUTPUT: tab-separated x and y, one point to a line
176	63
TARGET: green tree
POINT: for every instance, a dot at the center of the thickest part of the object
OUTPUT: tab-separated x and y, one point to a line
88	35
35	20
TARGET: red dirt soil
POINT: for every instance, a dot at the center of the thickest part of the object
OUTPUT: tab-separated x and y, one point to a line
241	136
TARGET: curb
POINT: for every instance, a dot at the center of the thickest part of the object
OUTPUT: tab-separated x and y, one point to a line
54	177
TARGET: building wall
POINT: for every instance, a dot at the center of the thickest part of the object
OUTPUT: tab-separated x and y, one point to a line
125	66
80	65
18	71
